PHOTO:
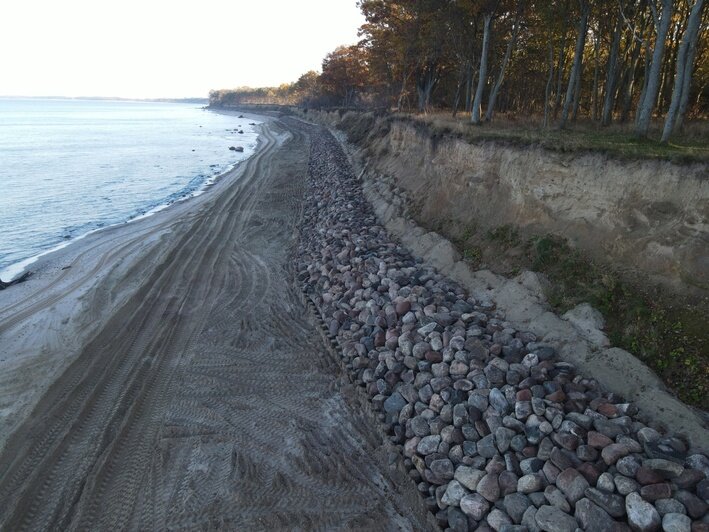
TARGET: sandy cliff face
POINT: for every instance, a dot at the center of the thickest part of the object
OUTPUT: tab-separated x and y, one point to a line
650	217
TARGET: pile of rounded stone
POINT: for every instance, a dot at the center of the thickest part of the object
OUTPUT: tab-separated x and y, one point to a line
497	432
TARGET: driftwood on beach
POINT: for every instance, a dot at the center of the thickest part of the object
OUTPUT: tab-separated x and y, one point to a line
22	278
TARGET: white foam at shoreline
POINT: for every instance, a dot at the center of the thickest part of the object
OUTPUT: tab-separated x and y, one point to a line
9	273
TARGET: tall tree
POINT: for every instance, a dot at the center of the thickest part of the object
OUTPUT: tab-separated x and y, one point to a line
575	75
611	74
646	105
683	71
482	72
516	23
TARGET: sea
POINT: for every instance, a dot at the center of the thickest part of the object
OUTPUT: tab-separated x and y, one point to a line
69	167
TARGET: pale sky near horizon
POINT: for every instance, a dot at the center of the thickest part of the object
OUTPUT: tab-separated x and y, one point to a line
160	48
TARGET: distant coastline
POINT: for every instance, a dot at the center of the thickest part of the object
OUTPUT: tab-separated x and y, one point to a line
110	99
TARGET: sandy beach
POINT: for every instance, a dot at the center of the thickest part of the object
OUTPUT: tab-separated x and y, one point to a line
164	374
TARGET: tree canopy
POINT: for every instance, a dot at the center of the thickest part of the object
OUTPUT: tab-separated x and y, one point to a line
606	60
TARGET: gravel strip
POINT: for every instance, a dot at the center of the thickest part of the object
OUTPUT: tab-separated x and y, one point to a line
496	431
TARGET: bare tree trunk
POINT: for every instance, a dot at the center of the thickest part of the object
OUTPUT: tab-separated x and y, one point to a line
402	92
611	76
684	67
577	94
646	80
578	59
560	76
469	87
482	74
684	100
501	75
632	72
595	111
647	104
461	81
426	79
550	81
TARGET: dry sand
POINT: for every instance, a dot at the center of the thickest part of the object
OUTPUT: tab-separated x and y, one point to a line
164	374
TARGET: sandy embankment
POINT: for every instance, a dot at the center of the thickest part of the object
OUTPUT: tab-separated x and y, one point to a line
163	374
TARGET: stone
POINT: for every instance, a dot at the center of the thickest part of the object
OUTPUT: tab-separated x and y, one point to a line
700	462
515	505
572	484
453	494
598	440
503	438
498	401
689	479
508	482
676	523
642	516
702	488
460	415
613	504
556	498
566	440
529	520
608	428
659	449
552	519
665	468
550	472
625	485
605	483
590	472
669	506
592	518
497	519
531	465
560	459
645	475
628	466
586	453
468	476
486	446
613	453
442	469
474	505
429	444
530	483
457	521
652	492
489	488
696	507
419	426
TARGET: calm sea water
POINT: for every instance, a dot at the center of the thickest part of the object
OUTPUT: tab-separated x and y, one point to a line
68	167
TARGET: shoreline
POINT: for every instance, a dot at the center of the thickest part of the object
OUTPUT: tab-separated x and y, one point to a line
15	269
48	308
182	345
167	356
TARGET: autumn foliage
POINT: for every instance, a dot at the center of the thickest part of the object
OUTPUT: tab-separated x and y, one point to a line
604	60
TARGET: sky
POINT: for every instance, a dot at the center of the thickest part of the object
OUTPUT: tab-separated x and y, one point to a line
165	49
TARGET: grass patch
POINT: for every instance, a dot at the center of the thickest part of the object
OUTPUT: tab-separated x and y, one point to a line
666	332
584	136
505	235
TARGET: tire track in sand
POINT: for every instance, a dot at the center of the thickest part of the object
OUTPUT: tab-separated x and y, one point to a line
207	400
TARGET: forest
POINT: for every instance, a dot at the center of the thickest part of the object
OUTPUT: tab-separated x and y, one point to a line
605	61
